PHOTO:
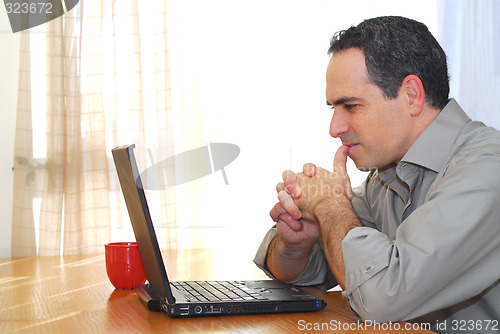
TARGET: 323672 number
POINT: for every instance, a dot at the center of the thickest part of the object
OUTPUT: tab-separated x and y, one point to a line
26	8
474	325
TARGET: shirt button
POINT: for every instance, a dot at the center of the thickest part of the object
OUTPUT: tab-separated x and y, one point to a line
404	165
368	269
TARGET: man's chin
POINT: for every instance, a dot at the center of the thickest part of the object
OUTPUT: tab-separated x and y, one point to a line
364	167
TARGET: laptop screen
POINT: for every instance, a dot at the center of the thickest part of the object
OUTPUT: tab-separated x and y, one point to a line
140	217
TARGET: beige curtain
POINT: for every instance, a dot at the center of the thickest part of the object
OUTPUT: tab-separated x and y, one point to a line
107	84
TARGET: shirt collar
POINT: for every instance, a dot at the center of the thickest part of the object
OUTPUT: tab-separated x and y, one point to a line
432	147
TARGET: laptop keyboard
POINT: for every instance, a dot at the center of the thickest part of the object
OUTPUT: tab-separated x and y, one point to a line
216	291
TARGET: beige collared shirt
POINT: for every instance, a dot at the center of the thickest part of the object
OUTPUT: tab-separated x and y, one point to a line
430	248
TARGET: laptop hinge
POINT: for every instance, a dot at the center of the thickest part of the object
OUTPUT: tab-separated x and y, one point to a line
150	297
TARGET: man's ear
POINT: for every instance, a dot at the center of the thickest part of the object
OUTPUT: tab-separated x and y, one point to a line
415	94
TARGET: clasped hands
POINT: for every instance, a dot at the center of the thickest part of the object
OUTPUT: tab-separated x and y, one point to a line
302	195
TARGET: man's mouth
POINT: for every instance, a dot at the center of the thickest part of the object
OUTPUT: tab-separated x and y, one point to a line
351	147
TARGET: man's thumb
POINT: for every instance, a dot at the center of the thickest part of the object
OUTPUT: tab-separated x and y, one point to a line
340	160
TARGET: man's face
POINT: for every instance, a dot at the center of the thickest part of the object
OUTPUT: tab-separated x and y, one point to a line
375	128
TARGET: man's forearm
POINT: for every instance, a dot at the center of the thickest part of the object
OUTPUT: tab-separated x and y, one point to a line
336	220
286	262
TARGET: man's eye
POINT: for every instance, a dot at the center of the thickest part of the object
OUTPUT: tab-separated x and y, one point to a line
349	106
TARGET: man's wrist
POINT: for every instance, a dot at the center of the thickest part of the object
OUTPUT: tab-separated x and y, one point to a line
328	208
292	250
336	213
286	261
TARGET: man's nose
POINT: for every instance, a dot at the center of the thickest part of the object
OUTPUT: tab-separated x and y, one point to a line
338	124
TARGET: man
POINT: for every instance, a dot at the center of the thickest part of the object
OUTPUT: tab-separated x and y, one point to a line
420	239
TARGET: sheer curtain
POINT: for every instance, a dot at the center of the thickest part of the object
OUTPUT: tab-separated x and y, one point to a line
469	31
92	79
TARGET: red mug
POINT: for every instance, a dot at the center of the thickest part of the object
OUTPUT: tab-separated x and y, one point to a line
124	265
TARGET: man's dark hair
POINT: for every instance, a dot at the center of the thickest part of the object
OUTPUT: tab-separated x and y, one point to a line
395	47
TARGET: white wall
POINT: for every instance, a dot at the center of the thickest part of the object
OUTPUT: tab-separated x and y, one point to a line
9	67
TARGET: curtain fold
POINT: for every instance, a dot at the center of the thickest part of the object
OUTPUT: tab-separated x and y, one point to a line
23	229
106	84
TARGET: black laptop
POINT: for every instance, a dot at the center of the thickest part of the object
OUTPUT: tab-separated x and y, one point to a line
196	298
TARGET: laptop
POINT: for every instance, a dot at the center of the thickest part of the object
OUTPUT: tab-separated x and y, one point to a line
196	298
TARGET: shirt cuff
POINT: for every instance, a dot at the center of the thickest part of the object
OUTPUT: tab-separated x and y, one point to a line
366	252
261	255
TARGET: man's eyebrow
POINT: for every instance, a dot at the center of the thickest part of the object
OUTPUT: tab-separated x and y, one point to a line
344	100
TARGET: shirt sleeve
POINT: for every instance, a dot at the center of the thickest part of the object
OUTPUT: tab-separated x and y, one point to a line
446	252
317	273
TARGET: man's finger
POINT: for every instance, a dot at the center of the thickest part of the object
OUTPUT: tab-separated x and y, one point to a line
289	205
277	211
291	183
295	225
309	169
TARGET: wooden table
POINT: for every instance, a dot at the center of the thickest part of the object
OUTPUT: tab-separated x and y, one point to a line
72	294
